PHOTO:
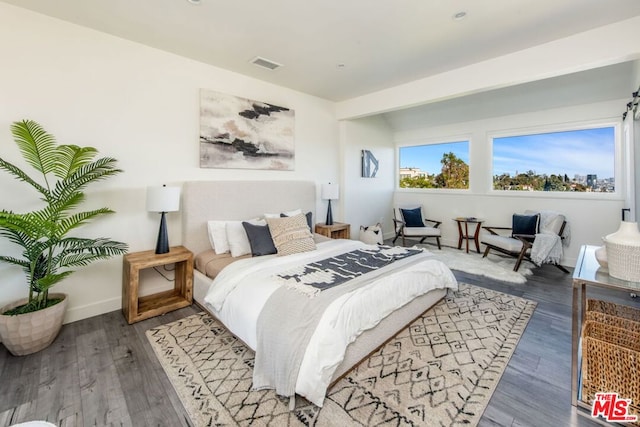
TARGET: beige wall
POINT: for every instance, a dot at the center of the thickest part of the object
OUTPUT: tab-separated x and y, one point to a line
141	106
367	200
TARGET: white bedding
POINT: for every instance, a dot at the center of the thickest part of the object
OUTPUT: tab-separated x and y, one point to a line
239	292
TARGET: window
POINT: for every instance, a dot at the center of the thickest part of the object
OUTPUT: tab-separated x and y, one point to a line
580	160
444	165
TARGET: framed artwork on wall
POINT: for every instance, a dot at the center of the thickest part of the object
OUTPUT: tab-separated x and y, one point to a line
240	133
369	164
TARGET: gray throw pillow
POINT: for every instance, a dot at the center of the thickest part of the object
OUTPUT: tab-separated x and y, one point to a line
412	217
260	239
525	225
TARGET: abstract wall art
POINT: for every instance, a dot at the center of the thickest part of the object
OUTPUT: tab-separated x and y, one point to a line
240	133
369	164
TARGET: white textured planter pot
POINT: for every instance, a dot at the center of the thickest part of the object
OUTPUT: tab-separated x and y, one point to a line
623	252
28	333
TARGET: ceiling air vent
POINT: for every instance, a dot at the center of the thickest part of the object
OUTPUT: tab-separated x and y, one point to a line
265	63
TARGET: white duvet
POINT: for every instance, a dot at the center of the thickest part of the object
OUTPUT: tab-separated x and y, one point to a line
239	292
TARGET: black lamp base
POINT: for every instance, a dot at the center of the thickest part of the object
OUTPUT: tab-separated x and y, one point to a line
329	220
162	246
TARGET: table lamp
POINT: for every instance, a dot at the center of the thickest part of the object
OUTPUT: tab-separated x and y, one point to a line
330	192
163	199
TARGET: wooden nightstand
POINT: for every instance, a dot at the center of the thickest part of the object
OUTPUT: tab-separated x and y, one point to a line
139	308
339	230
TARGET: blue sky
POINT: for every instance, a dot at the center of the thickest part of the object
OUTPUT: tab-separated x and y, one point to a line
581	152
427	157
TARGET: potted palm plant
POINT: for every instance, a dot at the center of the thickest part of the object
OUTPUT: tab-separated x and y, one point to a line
49	253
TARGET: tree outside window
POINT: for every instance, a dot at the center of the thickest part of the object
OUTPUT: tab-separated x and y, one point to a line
440	166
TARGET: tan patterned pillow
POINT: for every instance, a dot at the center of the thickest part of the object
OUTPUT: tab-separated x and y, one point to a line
291	235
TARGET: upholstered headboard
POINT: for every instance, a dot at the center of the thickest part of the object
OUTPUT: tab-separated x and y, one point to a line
238	200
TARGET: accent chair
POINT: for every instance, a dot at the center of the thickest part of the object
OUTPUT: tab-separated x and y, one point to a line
546	229
409	222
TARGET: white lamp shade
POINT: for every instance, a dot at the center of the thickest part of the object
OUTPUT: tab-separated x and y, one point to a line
163	199
330	191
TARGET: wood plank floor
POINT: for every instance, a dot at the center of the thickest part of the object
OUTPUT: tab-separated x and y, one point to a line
102	371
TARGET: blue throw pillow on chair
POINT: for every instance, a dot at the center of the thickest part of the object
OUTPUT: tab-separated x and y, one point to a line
527	225
412	217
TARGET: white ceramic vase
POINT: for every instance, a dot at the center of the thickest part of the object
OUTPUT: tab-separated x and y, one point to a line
627	234
623	252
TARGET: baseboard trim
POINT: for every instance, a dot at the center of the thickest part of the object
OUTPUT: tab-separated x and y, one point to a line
89	310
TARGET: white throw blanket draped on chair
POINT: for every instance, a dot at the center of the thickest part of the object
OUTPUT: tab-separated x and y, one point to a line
547	245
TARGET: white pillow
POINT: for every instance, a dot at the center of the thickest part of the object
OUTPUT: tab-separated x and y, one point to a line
237	236
218	236
290	213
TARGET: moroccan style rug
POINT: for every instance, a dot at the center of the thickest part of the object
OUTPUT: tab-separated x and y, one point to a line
439	371
493	266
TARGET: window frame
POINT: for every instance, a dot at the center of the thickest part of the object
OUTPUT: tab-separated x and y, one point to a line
451	139
618	166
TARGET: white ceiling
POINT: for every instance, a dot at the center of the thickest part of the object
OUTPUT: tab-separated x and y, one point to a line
381	43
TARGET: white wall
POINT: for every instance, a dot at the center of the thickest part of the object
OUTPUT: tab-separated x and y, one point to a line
590	218
636	135
141	106
367	201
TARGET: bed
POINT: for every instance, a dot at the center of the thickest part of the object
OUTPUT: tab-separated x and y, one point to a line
205	201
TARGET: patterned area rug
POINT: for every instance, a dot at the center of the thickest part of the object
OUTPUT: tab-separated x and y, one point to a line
439	371
494	266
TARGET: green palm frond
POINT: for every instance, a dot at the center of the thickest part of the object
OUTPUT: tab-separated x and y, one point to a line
85	174
15	261
37	146
51	279
22	176
72	157
24	227
69	223
79	252
49	255
62	206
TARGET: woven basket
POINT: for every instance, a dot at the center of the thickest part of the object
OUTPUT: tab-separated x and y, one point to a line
624	261
611	363
609	313
618	310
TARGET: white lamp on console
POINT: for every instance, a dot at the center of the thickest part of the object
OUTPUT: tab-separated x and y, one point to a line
330	192
163	199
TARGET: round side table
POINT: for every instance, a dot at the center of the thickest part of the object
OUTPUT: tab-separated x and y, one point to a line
463	234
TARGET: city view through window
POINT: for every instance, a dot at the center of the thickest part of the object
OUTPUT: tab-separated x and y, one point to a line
435	166
577	160
574	161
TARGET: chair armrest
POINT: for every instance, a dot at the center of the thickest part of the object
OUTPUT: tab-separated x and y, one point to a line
561	232
491	229
398	223
526	239
436	223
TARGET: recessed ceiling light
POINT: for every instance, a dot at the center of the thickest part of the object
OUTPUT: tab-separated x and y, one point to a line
459	16
194	1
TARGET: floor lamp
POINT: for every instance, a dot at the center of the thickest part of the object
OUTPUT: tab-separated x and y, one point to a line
330	192
163	199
